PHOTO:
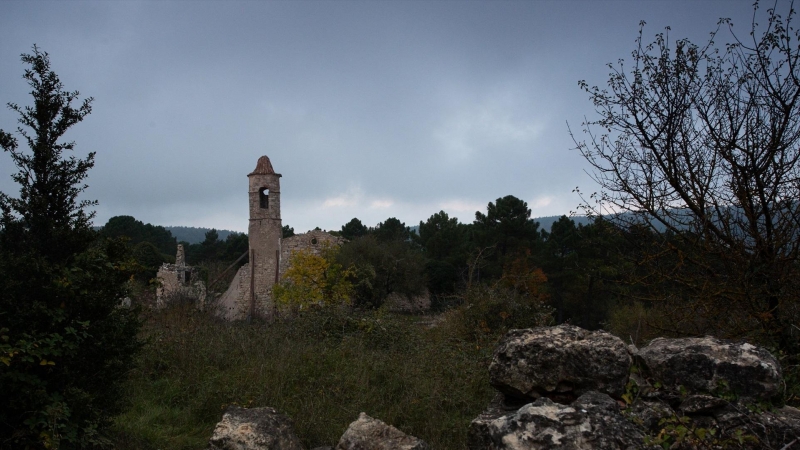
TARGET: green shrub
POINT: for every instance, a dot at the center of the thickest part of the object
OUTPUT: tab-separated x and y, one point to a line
488	312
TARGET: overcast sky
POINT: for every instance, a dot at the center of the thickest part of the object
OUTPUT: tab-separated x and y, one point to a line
370	109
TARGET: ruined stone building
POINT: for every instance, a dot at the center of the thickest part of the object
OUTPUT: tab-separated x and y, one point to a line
179	280
314	241
250	292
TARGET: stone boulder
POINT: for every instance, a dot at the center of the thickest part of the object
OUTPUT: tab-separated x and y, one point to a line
712	366
559	362
254	429
593	421
367	433
781	426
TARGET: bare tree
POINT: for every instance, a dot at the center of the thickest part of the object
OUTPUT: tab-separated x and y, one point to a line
700	145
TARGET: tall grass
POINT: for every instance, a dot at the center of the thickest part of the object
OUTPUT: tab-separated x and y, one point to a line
321	368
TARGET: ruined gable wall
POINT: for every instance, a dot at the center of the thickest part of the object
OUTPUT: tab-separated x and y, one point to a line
313	241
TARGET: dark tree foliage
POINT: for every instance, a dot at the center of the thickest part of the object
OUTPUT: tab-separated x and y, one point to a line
214	250
581	264
443	240
136	231
149	258
701	145
287	231
65	345
392	230
152	245
381	268
354	229
211	247
235	246
507	229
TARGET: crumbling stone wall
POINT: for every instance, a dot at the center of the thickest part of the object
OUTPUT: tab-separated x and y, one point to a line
179	280
234	303
314	241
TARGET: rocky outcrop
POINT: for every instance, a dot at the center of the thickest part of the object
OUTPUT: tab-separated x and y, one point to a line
254	429
682	393
593	421
564	361
367	433
712	366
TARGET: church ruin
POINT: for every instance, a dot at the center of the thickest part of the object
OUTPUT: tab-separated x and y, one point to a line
250	293
177	281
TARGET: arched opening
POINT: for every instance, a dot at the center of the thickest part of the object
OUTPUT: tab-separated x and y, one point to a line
263	198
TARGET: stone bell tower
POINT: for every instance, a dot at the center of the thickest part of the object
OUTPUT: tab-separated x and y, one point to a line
264	234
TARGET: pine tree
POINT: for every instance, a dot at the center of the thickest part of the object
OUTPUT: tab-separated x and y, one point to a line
65	344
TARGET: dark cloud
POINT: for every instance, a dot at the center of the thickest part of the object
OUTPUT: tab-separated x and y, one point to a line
368	109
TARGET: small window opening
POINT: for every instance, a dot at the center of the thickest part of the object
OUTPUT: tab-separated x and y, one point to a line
263	198
313	241
187	276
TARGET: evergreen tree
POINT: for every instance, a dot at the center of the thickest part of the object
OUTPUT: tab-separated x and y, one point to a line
354	229
65	344
392	230
508	229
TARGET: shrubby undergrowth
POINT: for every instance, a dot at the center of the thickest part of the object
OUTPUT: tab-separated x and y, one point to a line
427	375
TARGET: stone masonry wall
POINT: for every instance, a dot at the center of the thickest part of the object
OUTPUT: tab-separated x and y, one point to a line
314	241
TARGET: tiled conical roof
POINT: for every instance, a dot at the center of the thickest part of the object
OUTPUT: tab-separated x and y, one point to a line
263	167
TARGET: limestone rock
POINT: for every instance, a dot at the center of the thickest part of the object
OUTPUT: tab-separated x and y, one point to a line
593	421
367	433
649	414
710	365
559	361
254	429
782	426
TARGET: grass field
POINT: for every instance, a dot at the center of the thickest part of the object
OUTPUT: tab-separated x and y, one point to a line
321	368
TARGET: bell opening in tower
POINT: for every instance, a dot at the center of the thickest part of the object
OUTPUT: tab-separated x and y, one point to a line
263	198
